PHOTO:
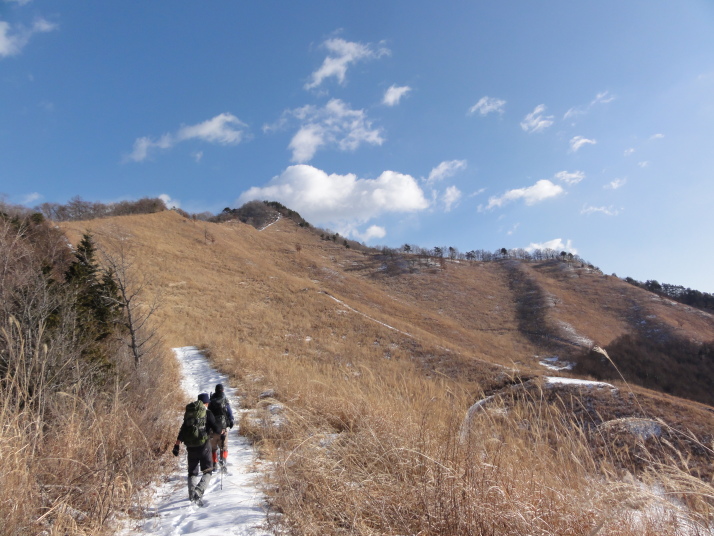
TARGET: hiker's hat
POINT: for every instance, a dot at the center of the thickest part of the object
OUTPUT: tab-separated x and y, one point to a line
203	397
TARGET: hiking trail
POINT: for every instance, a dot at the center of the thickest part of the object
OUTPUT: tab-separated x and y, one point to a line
236	510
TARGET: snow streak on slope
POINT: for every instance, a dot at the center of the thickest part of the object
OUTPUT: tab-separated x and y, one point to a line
235	510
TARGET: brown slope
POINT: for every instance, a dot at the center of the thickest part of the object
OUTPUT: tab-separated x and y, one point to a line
267	310
271	288
602	308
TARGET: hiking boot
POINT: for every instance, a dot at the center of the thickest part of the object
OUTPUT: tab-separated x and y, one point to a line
195	499
192	480
201	487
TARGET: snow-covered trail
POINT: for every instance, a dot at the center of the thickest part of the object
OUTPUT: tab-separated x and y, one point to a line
238	508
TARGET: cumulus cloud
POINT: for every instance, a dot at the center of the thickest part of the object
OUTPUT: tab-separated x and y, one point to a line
224	129
13	40
614	185
569	177
394	94
372	232
536	121
170	203
334	125
657	136
341	54
451	197
607	211
487	105
556	244
578	141
629	151
540	191
324	198
446	169
643	164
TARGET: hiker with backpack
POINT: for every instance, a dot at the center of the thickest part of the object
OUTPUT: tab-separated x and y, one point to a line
221	409
198	424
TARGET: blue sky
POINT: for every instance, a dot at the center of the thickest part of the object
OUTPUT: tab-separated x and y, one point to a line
582	126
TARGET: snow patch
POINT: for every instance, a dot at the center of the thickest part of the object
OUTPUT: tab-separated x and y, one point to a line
366	316
574	336
271	223
556	380
554	363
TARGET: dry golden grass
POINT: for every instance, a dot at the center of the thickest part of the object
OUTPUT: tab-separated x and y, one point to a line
78	434
364	422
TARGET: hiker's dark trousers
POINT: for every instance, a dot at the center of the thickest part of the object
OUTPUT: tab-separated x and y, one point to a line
199	456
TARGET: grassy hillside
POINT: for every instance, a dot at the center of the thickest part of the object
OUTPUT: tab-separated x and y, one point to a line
360	368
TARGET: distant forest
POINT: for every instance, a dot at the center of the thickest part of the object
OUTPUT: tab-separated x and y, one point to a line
687	296
78	209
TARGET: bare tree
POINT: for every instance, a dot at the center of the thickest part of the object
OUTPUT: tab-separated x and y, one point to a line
119	259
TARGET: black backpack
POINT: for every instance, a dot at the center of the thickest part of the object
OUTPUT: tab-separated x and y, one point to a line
217	406
193	431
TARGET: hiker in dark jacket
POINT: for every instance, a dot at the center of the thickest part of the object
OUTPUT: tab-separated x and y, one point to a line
198	448
221	409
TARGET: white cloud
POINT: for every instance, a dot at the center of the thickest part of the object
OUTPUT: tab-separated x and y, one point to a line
477	192
324	198
657	136
446	169
19	2
224	129
487	105
13	40
614	185
394	94
513	229
607	211
336	124
578	141
341	54
30	198
555	244
536	121
643	164
569	177
574	112
197	156
306	142
451	197
601	98
540	191
629	151
143	145
374	231
170	203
